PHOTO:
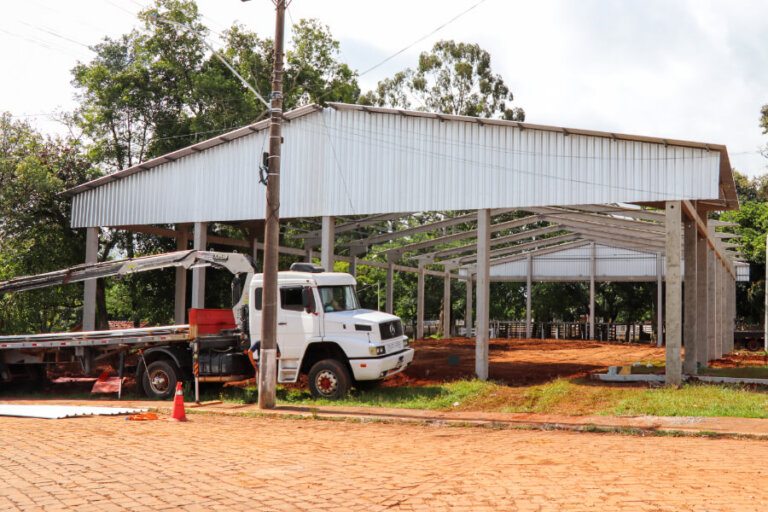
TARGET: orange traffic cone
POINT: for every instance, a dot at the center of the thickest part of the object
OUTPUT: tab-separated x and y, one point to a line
178	405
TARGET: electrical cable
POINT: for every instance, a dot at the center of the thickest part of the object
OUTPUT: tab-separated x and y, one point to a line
422	38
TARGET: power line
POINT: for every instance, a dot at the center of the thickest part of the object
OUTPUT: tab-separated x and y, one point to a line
422	38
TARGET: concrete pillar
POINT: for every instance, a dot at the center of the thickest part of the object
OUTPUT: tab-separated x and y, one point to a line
390	283
447	302
308	252
528	287
702	301
722	309
711	306
198	274
483	293
732	298
468	313
674	293
89	286
420	303
353	264
718	310
691	296
327	240
659	302
180	295
592	269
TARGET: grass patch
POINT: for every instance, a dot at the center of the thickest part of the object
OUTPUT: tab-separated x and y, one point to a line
445	396
694	400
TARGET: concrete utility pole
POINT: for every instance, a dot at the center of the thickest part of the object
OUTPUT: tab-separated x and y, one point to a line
267	358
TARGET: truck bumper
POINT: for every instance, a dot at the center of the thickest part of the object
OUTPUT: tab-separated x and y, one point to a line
379	368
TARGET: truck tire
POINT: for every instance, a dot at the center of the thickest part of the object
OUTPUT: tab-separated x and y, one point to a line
329	379
159	380
754	344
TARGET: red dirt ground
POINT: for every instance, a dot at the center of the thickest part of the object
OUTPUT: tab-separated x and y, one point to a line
518	361
515	362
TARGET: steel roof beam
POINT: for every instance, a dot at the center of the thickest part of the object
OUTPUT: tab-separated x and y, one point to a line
538	251
353	225
472	233
452	221
523	235
516	248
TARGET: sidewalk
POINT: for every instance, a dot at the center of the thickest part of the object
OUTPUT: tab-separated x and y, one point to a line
688	424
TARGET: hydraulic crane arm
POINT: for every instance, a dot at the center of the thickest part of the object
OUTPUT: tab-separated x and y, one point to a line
236	263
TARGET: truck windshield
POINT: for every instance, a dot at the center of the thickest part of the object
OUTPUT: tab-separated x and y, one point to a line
338	298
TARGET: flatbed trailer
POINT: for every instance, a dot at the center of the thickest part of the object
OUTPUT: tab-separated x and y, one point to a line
166	353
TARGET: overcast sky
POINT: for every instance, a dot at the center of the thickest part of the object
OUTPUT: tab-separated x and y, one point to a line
684	69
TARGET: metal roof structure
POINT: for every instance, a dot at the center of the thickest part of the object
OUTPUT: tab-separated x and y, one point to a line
626	197
355	160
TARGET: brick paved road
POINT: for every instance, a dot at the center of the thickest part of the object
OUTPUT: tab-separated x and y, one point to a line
235	463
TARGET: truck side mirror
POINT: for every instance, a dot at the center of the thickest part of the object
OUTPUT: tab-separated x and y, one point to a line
306	299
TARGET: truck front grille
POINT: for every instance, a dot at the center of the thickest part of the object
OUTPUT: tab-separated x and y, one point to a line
391	329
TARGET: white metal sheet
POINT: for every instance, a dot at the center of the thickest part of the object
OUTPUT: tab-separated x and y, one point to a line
348	161
62	411
611	263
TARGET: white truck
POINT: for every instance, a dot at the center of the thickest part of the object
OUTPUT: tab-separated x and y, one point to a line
322	331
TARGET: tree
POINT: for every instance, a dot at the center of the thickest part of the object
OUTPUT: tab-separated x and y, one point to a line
34	225
454	78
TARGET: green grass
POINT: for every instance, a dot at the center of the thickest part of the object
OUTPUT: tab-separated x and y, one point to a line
694	400
574	397
444	396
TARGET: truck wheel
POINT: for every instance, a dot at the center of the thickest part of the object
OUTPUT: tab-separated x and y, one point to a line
159	380
754	345
329	379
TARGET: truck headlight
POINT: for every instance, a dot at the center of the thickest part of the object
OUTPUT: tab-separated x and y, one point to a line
406	343
376	351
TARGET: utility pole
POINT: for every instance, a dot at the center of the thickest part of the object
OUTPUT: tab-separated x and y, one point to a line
268	356
765	314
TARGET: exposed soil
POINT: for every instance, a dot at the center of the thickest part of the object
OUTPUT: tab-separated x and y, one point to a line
518	362
515	362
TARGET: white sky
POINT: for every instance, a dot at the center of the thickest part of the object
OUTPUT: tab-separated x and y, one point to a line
685	69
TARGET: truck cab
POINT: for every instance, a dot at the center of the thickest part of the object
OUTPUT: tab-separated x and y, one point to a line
324	333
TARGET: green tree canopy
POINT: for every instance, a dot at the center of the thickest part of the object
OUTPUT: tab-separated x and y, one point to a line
454	78
157	88
34	225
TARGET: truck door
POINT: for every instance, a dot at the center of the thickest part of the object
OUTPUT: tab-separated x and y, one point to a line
294	324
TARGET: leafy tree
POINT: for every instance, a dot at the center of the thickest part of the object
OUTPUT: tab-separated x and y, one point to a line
34	225
454	78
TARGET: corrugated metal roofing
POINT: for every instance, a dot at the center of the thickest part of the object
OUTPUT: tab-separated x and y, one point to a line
353	160
572	264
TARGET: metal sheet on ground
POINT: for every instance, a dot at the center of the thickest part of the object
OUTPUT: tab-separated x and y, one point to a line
61	411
